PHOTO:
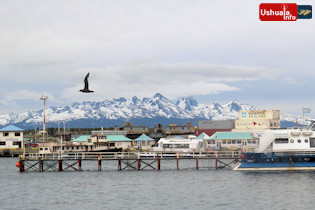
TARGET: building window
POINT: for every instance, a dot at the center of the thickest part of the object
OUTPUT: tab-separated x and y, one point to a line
17	134
16	143
2	142
6	134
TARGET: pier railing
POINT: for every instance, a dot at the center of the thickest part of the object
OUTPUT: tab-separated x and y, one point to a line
130	155
126	160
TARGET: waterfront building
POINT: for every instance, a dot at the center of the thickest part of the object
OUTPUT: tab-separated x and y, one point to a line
210	127
11	137
144	142
175	129
257	120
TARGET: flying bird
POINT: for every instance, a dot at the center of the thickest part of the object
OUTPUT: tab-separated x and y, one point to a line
86	85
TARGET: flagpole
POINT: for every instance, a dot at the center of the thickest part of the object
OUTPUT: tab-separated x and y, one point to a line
303	116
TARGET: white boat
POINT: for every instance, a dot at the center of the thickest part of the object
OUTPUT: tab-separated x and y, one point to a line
282	149
191	144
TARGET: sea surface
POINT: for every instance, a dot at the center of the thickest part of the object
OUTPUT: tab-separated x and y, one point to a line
168	188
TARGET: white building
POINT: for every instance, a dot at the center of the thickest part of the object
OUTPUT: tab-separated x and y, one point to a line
257	120
11	137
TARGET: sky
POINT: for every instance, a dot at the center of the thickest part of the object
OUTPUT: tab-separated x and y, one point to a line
216	51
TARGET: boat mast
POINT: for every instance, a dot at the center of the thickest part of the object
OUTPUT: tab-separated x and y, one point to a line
44	98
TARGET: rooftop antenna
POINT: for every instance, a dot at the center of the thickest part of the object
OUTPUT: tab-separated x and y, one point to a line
44	98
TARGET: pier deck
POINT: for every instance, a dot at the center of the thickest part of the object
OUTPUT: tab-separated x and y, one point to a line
125	160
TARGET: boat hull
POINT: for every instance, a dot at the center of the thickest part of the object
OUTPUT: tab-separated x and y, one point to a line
273	162
273	167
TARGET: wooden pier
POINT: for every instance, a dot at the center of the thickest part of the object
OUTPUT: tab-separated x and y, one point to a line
125	160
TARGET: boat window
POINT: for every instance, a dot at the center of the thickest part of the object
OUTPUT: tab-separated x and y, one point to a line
281	141
306	140
299	140
292	141
312	142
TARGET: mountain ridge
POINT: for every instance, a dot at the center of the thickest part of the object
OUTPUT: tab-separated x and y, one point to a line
113	112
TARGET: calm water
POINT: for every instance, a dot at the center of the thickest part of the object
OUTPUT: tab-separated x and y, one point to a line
165	189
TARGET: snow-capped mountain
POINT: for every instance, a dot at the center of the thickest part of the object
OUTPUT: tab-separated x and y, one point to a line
146	111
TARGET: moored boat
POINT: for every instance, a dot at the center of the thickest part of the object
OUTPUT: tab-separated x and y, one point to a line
290	149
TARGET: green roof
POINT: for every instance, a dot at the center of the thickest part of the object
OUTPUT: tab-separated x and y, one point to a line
203	136
143	137
81	138
117	138
231	135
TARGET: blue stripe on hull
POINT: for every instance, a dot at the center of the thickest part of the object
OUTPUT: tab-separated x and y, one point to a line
277	165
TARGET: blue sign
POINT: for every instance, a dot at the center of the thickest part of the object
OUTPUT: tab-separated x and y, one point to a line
304	11
244	114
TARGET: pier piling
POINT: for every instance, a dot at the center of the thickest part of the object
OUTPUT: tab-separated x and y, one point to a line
119	164
22	166
40	165
197	164
79	165
139	164
59	165
159	164
99	164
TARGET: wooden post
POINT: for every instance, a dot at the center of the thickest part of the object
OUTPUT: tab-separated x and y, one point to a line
79	165
99	164
119	165
236	160
216	163
159	163
40	165
139	165
22	166
197	166
59	165
177	163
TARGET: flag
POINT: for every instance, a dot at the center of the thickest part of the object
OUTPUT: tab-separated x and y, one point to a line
306	110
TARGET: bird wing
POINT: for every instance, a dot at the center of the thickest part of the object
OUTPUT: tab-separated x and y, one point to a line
86	82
